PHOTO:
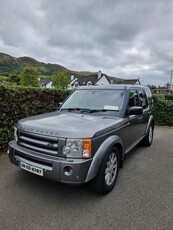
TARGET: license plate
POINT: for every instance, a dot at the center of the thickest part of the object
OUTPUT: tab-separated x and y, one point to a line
31	168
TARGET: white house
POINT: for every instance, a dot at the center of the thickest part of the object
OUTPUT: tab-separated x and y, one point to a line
46	83
97	78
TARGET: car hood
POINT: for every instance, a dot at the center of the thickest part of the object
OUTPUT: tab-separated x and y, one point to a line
69	125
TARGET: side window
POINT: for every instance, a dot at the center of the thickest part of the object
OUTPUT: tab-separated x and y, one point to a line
150	98
143	99
133	99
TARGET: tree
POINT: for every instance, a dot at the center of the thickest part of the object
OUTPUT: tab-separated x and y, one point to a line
152	87
168	85
60	80
14	78
29	77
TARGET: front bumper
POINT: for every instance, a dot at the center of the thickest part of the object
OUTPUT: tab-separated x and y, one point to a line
53	167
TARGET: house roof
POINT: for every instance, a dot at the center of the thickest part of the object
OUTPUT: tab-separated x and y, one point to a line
45	81
128	81
82	80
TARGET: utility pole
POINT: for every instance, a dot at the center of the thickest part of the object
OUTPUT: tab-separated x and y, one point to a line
170	87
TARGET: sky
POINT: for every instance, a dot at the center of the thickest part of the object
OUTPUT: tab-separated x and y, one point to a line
121	38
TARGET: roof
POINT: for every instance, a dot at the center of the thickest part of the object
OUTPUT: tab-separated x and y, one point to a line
45	81
113	86
82	80
128	81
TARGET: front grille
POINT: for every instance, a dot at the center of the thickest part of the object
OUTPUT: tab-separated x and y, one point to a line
41	144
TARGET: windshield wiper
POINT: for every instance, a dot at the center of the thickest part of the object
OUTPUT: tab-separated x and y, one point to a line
98	110
85	110
75	109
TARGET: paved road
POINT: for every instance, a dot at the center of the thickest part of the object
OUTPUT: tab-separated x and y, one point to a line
142	198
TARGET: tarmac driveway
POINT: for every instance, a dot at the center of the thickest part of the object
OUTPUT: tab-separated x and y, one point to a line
141	199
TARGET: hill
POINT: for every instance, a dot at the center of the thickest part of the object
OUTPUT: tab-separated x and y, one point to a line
11	65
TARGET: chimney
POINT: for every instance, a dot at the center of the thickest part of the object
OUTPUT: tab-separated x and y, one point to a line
99	74
72	77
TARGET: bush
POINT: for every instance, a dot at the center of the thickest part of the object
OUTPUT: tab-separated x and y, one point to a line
160	96
163	111
169	97
17	103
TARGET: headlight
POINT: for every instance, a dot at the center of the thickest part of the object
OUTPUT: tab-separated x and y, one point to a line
77	148
15	134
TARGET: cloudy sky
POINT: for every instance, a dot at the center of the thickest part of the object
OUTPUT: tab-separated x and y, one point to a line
122	38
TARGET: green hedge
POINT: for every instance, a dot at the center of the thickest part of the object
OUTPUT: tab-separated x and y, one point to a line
169	97
163	111
164	96
160	96
17	103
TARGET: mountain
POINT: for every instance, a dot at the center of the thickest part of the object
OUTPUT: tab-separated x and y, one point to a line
11	65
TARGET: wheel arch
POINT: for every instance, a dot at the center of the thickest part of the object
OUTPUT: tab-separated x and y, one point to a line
150	121
112	141
120	149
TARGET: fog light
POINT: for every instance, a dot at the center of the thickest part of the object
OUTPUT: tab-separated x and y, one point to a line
68	170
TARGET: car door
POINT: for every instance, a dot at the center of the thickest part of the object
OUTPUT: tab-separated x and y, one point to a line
131	132
146	112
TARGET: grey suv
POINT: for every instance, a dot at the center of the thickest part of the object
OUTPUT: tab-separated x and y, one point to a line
88	137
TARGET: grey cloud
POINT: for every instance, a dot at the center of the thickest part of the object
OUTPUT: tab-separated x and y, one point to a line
122	38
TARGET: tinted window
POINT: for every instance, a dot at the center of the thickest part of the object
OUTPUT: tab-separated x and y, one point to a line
133	99
143	99
149	95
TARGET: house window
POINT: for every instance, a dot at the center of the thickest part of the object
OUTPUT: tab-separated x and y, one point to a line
76	84
89	83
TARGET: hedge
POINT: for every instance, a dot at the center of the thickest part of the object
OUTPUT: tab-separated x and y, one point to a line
169	97
17	103
163	111
164	96
160	96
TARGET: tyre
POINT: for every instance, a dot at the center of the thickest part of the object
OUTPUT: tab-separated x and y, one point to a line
108	172
148	139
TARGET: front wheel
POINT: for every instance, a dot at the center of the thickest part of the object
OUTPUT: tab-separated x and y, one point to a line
108	172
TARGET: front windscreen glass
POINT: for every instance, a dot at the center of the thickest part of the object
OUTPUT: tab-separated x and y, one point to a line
95	100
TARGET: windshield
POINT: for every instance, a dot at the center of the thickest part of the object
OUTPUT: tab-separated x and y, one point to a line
94	99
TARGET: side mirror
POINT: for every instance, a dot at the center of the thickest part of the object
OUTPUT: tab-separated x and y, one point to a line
135	110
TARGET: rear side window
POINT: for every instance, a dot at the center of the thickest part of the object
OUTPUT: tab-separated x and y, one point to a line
149	95
143	99
133	99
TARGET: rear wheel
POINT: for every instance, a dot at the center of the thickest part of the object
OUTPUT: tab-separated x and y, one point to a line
148	139
108	172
